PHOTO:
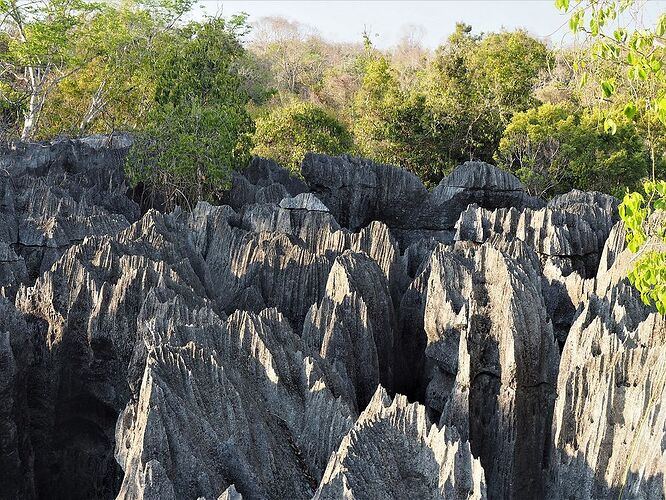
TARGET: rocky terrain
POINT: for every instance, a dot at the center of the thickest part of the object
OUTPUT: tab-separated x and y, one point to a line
344	335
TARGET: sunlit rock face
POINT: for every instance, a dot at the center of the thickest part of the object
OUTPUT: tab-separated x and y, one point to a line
347	334
391	437
609	424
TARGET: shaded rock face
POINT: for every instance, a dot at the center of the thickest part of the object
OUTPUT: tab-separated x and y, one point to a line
612	378
358	191
349	335
487	358
263	181
354	324
52	195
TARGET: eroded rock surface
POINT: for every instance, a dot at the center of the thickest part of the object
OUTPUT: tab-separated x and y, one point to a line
344	335
52	195
609	425
394	451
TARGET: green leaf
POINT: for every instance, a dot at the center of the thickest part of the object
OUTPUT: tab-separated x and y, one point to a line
583	80
661	26
660	108
632	58
655	65
562	5
630	110
608	88
610	127
594	26
575	21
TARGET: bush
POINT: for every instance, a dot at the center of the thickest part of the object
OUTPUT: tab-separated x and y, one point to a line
553	149
287	133
198	129
187	151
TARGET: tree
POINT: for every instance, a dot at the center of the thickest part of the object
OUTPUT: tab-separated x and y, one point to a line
38	39
295	53
555	148
395	126
305	67
126	41
373	106
482	81
115	88
455	109
198	129
641	90
506	67
287	133
409	57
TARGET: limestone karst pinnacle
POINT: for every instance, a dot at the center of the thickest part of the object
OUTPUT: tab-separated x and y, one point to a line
345	335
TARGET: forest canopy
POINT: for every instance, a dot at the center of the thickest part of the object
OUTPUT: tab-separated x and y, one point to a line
201	97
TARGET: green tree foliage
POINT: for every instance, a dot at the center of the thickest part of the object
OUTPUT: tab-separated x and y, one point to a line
37	53
640	89
394	126
556	148
72	67
115	88
198	129
287	133
457	107
482	82
645	220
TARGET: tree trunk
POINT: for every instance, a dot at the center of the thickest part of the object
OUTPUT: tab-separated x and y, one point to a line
97	104
31	116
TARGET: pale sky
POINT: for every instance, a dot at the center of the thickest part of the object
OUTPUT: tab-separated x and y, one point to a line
346	20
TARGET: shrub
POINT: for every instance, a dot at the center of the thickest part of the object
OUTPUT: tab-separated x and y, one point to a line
198	129
286	133
553	149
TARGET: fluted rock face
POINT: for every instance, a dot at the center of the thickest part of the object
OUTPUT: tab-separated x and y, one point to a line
609	424
85	309
239	351
52	195
487	358
16	451
263	181
353	326
573	234
228	403
568	235
393	451
474	182
358	191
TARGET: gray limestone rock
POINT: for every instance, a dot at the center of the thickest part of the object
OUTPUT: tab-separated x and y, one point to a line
393	451
242	350
53	195
358	191
609	423
304	201
353	326
236	404
262	181
475	327
473	182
